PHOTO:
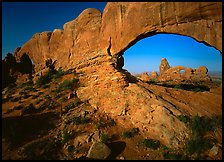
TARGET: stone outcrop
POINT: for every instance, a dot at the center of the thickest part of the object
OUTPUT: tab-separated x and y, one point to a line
145	77
164	66
16	72
93	44
153	75
168	73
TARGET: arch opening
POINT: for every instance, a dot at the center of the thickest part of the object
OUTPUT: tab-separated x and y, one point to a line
144	54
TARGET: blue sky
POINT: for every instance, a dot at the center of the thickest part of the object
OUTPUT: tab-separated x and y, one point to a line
147	53
20	20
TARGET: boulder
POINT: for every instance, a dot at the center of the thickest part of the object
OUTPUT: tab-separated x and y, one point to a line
99	150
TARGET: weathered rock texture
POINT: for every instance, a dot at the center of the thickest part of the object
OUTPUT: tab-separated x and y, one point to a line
121	25
145	77
168	73
94	43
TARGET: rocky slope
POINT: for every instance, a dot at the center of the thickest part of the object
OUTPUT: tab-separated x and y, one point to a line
93	45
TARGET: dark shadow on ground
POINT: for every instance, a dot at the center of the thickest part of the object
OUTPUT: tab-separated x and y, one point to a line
116	149
19	130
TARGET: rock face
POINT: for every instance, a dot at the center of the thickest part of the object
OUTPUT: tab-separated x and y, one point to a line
94	43
181	73
92	33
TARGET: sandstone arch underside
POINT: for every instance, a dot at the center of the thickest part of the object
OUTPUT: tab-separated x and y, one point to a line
93	40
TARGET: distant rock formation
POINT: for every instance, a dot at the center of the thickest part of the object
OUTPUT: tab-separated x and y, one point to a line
145	77
153	75
164	66
168	73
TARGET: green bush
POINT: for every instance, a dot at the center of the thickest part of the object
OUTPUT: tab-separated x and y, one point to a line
66	85
79	120
104	137
183	118
200	125
45	79
29	109
65	136
154	144
18	107
131	133
51	105
16	99
199	143
38	101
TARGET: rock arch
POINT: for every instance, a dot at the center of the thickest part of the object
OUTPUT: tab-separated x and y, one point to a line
120	26
127	23
94	42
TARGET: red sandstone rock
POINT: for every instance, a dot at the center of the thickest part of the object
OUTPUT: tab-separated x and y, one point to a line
145	77
92	34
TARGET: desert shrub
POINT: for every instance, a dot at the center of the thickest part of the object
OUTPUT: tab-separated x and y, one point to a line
192	87
45	86
80	120
198	142
71	148
57	90
51	105
28	83
174	156
69	106
65	136
66	85
57	95
63	99
38	101
28	88
154	144
104	137
45	79
152	82
183	118
47	97
60	72
16	99
40	93
34	96
131	133
22	93
200	125
29	109
112	122
25	96
18	107
126	134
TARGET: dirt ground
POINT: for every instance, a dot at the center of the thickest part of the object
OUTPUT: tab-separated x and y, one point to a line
38	133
